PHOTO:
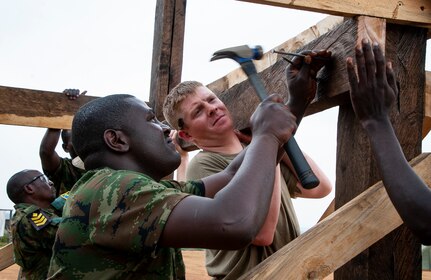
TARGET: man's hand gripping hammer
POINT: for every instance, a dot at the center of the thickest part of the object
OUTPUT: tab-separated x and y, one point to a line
244	55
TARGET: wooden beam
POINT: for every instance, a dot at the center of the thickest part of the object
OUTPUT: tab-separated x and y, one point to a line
412	12
333	85
167	51
38	108
340	237
6	256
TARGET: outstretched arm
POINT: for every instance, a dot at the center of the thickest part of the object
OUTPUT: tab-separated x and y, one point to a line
372	93
49	158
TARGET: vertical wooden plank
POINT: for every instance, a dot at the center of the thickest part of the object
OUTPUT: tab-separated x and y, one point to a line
426	127
397	256
167	51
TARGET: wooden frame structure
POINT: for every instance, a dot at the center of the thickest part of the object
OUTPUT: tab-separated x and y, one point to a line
364	238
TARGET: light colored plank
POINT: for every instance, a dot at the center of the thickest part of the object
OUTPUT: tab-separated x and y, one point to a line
6	256
38	108
341	236
412	12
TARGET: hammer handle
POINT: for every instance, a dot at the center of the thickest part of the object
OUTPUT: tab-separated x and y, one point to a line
305	174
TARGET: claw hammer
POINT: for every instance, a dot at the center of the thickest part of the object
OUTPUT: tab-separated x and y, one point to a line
244	55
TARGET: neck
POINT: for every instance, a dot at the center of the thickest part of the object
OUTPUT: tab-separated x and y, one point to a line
38	203
227	144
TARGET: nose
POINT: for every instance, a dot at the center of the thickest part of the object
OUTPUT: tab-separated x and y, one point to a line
211	109
166	128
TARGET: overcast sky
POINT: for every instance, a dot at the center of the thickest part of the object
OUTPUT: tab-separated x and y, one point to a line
105	47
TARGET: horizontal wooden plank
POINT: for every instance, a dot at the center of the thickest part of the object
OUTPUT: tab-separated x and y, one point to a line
412	12
339	237
38	108
6	256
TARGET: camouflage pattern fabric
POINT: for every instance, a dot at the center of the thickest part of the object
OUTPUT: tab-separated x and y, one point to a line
112	223
65	176
33	232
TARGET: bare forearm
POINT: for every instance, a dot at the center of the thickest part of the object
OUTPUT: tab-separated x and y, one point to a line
266	233
48	156
407	191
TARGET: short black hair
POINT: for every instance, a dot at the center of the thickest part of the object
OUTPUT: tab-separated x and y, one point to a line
15	186
93	118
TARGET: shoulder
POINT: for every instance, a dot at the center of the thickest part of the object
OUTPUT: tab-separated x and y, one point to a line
207	163
32	217
195	187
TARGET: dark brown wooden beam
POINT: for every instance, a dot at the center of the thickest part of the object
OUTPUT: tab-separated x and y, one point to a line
38	108
167	51
397	256
332	79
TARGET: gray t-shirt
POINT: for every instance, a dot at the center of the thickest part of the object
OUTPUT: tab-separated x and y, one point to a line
225	264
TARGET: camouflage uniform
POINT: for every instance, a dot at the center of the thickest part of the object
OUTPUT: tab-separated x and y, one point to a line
112	225
33	232
65	176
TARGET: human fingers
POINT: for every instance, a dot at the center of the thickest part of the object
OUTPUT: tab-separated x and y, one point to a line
320	59
353	79
360	64
71	93
370	62
380	62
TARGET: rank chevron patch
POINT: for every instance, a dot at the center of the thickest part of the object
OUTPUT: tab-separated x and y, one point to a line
39	219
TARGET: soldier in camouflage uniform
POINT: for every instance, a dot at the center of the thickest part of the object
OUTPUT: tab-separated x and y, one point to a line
122	221
62	171
35	221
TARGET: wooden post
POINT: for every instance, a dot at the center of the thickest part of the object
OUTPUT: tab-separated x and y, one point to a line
397	256
167	51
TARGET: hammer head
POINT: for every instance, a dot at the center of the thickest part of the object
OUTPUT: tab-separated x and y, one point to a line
240	54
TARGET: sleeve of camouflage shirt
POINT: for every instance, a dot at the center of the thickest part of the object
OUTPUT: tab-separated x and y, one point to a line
34	245
124	210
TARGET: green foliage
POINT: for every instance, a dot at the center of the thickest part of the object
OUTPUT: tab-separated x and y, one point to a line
4	239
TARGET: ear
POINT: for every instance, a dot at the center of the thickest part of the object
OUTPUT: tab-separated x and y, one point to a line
185	136
116	140
28	189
